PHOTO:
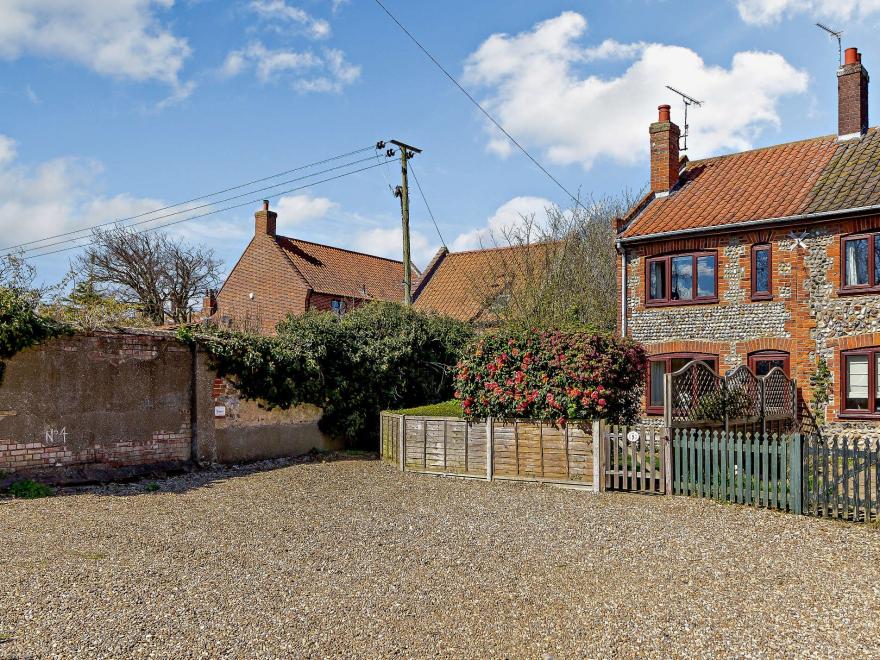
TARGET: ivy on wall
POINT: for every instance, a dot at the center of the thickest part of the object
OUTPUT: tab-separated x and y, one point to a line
22	326
379	356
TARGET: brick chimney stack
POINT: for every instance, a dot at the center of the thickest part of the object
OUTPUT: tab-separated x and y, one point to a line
852	96
664	152
265	220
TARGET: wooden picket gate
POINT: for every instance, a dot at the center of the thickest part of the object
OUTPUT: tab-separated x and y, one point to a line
755	469
842	479
635	460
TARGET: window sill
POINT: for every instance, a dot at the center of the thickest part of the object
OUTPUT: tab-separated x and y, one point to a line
680	303
854	415
861	291
761	297
654	411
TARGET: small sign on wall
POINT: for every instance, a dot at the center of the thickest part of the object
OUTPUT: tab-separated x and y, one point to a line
219	411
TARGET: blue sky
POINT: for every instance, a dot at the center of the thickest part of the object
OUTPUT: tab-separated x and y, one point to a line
116	108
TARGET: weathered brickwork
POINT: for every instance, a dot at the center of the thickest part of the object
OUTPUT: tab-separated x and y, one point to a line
262	288
807	316
97	402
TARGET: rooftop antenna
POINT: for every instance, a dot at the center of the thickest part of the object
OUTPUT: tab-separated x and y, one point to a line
835	34
688	101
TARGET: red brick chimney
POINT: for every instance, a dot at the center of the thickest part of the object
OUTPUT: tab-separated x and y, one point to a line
664	152
852	95
265	220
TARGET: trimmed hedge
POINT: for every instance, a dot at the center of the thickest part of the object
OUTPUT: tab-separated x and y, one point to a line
552	375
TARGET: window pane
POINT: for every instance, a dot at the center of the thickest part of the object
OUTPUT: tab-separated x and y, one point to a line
657	290
857	382
876	259
857	262
706	276
682	278
762	271
877	381
658	369
763	367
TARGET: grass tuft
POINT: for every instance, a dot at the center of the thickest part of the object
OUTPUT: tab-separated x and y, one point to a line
445	409
29	490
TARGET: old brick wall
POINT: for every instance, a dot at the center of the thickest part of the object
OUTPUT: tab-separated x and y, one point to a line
278	290
807	316
97	403
322	302
116	404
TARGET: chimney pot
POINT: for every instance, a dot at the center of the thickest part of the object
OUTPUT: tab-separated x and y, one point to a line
265	204
851	56
664	113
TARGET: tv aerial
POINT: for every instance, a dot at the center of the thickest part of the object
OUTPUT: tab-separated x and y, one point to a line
834	34
688	101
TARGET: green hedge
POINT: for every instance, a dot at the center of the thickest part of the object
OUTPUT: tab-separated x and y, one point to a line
377	357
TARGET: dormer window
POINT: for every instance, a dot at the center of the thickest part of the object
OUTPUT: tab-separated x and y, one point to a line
682	279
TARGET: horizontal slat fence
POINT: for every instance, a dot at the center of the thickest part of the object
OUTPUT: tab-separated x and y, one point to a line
842	478
494	449
755	469
635	460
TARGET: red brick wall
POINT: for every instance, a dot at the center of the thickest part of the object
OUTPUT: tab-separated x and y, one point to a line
278	290
321	302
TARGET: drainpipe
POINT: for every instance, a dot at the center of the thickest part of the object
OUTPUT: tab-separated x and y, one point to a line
623	285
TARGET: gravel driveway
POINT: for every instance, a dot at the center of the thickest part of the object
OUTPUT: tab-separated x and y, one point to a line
350	558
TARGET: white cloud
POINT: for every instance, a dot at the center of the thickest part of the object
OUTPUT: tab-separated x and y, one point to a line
122	38
511	215
766	12
296	210
278	10
56	196
32	95
308	72
540	93
388	242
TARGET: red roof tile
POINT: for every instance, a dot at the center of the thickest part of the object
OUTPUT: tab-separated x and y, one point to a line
812	176
341	272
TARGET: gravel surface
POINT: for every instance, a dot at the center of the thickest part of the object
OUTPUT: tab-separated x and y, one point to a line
351	558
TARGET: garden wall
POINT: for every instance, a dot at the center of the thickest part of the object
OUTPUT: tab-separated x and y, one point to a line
111	405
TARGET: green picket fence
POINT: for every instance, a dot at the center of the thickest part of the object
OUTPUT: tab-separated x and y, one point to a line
746	468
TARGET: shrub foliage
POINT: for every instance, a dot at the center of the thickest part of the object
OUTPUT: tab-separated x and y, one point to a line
378	356
21	324
552	375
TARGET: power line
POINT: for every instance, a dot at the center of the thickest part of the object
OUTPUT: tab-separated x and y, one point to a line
425	200
190	209
479	106
189	201
203	215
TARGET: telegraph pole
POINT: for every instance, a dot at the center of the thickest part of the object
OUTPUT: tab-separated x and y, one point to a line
402	191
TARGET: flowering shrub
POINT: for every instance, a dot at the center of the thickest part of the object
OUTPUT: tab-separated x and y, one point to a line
552	375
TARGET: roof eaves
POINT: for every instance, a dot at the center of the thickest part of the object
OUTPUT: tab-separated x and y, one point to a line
752	223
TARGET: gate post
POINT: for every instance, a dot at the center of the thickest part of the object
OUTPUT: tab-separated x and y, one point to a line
763	408
667	460
490	444
402	443
598	456
797	474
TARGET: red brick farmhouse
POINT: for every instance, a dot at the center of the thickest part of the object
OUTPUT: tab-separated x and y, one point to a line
768	257
277	276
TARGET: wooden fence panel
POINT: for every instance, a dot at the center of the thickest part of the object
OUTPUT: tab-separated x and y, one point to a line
841	478
521	450
756	469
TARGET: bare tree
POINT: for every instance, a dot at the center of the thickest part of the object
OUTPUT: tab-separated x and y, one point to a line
559	272
161	276
17	274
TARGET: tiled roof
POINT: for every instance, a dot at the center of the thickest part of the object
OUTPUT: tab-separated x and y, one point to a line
464	285
812	176
341	272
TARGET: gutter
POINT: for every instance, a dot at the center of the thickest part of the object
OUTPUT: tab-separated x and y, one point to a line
860	210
